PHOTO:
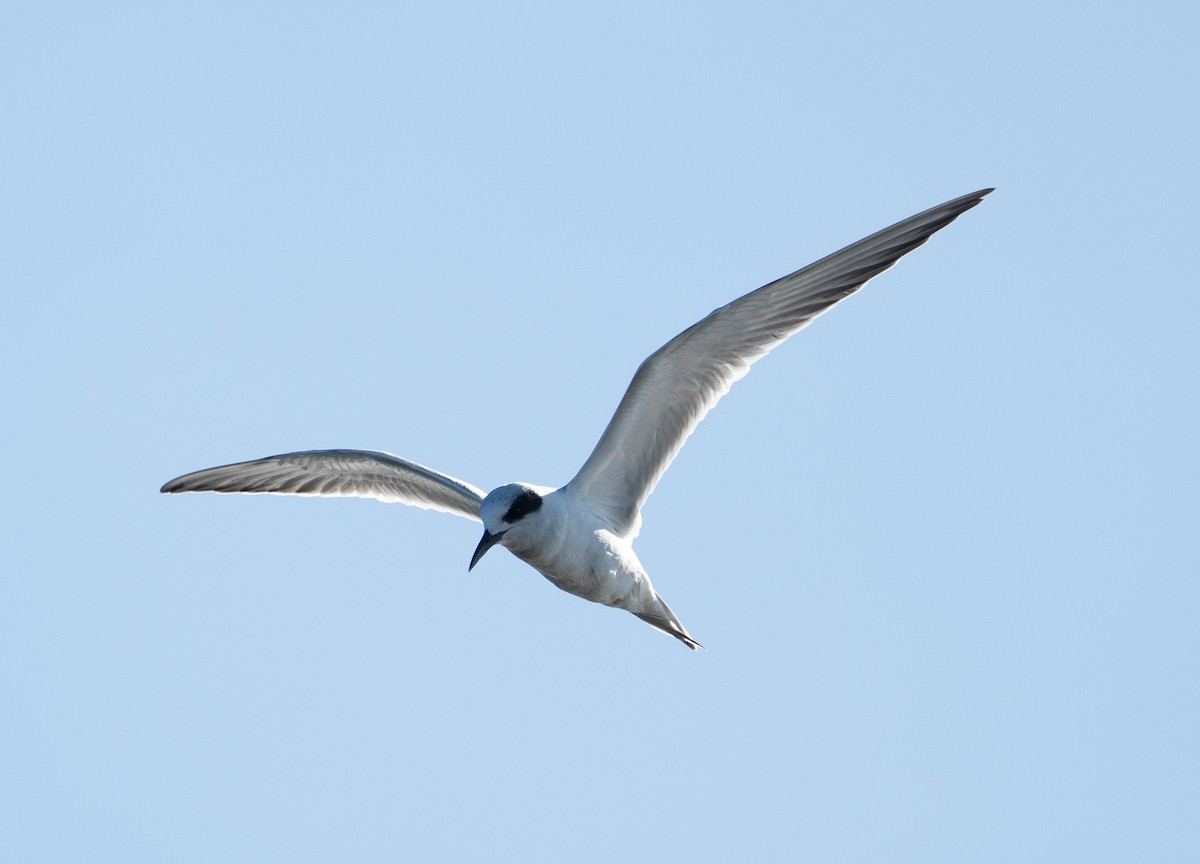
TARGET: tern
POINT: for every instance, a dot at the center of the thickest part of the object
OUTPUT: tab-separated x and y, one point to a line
580	536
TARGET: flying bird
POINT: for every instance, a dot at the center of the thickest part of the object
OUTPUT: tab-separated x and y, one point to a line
580	536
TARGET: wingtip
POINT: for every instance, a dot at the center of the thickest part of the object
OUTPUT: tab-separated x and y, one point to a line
172	486
963	203
973	198
976	197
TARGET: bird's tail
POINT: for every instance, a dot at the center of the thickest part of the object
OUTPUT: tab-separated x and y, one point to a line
665	620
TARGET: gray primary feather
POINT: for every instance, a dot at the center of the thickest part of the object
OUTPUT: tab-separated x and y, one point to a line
677	385
339	473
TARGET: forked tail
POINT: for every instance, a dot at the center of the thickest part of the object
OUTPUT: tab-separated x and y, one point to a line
665	620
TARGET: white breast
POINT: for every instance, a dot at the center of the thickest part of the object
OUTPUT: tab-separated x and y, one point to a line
579	552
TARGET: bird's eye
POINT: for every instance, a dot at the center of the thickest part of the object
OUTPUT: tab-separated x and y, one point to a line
524	504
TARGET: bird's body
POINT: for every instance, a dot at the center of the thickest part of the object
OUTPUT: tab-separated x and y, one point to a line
580	536
565	541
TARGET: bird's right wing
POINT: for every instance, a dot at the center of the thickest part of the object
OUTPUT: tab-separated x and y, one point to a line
677	385
337	474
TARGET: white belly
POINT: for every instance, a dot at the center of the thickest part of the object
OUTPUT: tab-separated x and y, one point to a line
597	566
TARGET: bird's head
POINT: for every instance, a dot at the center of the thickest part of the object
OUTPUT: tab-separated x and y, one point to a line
502	510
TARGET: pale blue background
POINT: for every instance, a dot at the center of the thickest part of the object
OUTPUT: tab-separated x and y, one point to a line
941	547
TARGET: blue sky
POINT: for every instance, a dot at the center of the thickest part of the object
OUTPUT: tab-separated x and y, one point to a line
941	546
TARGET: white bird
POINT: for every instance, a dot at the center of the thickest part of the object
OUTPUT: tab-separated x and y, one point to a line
580	536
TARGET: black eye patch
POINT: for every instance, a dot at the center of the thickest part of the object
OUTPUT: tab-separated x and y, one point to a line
527	502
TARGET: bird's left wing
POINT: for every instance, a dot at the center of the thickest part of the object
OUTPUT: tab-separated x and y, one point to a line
677	385
336	474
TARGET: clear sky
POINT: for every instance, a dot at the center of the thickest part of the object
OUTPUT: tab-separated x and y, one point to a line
942	546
